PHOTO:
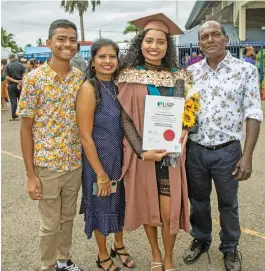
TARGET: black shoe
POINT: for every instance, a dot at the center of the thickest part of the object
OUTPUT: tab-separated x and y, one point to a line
194	252
99	262
70	267
232	260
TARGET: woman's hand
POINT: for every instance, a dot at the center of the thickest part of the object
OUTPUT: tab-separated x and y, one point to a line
183	140
19	85
154	155
104	186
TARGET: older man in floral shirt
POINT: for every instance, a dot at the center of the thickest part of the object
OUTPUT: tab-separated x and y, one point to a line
229	94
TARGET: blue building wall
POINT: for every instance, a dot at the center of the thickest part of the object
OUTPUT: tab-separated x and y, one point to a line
43	53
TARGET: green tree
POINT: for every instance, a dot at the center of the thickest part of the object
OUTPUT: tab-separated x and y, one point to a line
39	42
258	56
7	40
130	28
81	7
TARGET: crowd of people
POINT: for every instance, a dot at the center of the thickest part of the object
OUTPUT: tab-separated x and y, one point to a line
12	73
85	127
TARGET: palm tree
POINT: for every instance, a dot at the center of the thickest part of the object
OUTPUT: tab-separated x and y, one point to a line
82	7
39	42
130	28
6	39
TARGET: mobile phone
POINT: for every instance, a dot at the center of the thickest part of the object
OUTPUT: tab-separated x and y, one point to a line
113	187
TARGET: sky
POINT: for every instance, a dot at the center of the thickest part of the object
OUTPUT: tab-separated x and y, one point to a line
30	20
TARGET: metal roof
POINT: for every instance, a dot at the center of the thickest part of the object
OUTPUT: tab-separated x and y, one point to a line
198	12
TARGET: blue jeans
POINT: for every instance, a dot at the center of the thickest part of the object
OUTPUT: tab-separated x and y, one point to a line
203	166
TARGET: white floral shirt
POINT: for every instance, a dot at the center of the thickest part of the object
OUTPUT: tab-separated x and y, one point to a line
228	96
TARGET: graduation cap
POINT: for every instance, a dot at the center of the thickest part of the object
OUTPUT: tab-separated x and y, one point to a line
158	22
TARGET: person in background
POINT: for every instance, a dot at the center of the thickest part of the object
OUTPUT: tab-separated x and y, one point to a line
229	95
14	72
195	58
4	90
23	61
51	145
187	60
201	56
39	62
31	65
249	55
78	61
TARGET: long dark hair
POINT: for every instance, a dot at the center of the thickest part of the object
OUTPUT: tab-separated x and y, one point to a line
134	56
91	72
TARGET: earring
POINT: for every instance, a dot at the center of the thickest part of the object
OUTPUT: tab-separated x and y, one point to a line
92	68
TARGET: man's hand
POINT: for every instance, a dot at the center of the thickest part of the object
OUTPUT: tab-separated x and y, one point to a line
154	155
243	168
34	188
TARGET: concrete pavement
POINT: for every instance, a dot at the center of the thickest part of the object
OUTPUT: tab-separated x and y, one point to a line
20	219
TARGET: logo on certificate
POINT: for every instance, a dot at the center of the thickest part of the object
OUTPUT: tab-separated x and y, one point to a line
165	104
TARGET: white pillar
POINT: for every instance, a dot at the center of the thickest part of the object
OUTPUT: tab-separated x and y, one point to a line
242	23
224	4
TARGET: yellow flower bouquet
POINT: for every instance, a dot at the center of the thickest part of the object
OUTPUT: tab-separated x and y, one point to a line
191	108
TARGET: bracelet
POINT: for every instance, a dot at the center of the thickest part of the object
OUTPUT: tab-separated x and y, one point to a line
102	182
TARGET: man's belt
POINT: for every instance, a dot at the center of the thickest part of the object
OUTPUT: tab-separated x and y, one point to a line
216	147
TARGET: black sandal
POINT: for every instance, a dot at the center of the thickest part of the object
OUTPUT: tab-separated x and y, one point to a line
129	259
99	262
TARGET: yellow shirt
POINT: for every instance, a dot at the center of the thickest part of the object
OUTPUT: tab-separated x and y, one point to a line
50	101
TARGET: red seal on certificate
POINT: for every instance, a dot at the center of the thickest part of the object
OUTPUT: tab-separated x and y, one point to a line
169	135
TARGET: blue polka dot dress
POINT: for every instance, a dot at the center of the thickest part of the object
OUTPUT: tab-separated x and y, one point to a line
105	214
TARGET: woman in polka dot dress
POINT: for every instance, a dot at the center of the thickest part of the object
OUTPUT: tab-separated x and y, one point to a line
98	116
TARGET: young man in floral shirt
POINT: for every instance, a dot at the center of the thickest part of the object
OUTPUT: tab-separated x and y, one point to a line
229	94
51	146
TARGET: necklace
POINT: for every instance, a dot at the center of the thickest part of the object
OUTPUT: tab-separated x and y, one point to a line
150	66
114	90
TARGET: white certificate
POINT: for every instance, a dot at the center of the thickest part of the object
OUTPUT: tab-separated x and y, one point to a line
163	123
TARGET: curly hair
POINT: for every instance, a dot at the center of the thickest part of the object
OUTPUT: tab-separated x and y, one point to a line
134	57
91	72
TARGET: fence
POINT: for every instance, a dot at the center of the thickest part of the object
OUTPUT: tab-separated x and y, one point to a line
235	48
184	50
